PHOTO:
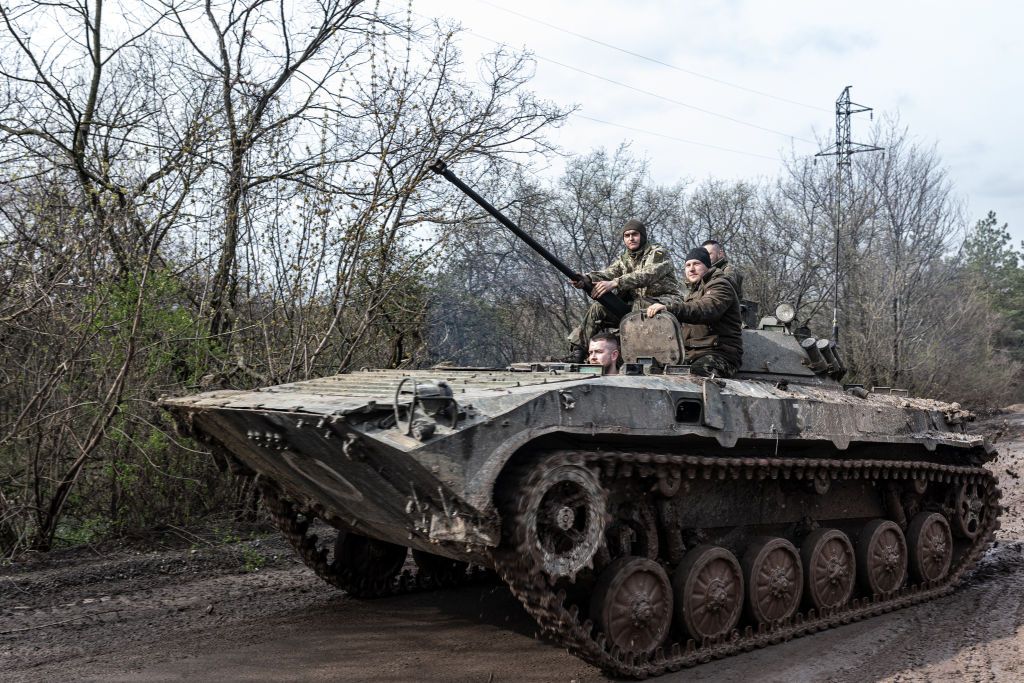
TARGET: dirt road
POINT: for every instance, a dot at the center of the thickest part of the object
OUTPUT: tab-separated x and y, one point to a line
196	614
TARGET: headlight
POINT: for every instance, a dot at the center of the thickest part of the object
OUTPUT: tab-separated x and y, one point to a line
785	313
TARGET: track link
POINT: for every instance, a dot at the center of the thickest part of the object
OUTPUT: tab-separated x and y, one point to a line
563	624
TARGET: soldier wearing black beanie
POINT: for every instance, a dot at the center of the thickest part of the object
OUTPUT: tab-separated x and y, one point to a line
699	254
710	314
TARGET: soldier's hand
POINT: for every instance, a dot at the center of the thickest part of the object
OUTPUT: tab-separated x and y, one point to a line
582	283
655	309
602	287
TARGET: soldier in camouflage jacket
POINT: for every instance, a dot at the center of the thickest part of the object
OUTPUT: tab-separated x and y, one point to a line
642	274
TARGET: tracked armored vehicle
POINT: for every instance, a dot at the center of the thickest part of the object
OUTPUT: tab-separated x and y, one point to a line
649	520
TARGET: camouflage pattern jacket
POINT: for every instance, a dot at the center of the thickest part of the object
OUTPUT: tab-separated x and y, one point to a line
710	311
644	274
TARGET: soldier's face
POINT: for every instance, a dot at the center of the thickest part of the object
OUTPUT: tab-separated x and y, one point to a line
694	270
603	354
631	238
715	251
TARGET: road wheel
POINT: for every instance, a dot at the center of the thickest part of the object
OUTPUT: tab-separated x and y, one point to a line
931	546
632	604
829	568
881	557
774	578
708	590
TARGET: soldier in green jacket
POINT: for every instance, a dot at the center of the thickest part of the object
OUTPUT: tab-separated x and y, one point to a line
710	311
642	274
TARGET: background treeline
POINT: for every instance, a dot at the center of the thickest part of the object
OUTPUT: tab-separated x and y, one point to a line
926	303
204	195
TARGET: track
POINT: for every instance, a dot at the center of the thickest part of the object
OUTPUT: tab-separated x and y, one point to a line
562	622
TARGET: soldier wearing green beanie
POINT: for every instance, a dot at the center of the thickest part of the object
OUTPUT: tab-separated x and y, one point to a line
642	273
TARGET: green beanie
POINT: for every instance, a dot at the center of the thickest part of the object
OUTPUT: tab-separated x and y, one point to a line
634	224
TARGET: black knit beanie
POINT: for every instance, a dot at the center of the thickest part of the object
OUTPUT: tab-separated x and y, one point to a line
699	254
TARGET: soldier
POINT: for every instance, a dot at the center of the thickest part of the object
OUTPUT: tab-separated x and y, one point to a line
720	261
710	311
642	273
604	351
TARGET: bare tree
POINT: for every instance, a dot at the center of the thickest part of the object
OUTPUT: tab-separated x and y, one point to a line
270	72
177	169
98	175
917	221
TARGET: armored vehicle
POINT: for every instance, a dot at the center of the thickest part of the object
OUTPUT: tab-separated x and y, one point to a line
648	520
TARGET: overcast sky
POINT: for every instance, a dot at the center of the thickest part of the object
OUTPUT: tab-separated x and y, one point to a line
952	71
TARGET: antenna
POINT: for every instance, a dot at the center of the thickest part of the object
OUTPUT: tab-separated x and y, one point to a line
843	149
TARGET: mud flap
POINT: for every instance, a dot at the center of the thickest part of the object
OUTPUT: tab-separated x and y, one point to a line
714	408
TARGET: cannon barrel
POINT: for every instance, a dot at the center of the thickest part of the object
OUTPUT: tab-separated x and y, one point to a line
609	300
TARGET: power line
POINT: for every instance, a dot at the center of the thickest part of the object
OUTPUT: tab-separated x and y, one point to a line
653	94
676	139
650	59
644	92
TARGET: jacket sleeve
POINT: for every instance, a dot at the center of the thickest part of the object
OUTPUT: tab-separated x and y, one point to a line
735	275
718	297
613	271
656	267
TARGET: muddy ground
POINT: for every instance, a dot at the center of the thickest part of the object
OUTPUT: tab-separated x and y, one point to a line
249	611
